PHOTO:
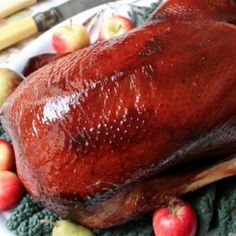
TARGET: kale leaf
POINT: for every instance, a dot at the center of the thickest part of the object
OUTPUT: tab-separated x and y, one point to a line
203	202
225	217
25	219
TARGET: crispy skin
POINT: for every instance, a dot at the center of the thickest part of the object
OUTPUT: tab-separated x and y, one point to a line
97	122
197	11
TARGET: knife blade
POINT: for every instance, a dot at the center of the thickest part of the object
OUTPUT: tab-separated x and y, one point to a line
58	14
73	7
14	32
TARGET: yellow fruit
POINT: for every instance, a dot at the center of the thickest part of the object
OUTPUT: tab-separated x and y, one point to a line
70	38
67	228
9	80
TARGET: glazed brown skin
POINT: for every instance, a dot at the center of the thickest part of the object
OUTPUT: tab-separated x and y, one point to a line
94	123
196	10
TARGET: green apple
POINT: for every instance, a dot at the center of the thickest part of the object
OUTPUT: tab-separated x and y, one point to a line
9	81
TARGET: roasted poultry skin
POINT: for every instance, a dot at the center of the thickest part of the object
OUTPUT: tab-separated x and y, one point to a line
93	131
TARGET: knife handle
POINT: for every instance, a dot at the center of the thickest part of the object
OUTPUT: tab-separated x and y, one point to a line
15	32
8	7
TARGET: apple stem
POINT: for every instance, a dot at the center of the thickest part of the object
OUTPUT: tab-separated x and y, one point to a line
48	222
71	23
175	206
174	210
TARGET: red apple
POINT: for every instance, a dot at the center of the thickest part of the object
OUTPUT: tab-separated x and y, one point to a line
7	157
70	38
11	190
114	26
176	220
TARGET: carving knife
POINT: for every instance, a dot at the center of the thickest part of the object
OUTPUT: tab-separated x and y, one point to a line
15	32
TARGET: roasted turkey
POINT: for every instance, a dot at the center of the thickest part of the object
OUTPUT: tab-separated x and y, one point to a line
110	132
